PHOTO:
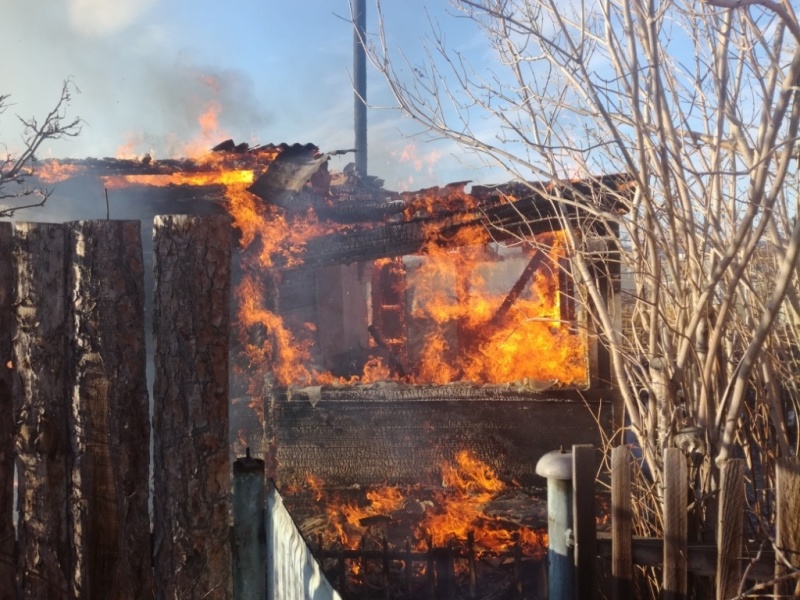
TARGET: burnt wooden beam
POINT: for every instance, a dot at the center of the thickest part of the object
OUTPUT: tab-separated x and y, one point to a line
398	392
516	291
361	244
394	361
535	213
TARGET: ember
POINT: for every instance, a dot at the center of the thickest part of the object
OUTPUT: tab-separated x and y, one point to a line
472	516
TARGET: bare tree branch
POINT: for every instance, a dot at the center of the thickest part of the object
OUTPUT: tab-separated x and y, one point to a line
698	103
15	169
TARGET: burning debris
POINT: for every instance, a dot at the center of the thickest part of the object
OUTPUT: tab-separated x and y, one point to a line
471	501
394	347
437	537
461	287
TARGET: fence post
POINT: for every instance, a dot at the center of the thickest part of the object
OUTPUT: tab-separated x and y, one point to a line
192	481
110	416
7	534
730	528
676	525
787	525
621	524
556	466
249	535
584	520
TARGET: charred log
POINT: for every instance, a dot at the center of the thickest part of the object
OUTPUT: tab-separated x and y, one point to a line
516	291
394	362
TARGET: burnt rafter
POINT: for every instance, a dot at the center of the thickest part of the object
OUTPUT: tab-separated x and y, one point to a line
508	211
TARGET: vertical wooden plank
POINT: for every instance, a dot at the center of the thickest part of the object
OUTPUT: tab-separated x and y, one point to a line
584	520
730	528
190	424
676	524
7	533
110	417
40	403
621	524
787	523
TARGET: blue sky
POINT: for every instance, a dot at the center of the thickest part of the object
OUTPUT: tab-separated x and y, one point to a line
279	71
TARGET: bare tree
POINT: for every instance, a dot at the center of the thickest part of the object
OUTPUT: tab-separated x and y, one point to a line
17	167
698	103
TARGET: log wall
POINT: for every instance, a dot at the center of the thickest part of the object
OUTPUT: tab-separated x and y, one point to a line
372	435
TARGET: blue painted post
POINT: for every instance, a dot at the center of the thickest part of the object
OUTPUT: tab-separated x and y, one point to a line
249	547
556	467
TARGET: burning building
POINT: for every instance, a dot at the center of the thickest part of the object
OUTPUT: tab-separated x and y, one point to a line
404	359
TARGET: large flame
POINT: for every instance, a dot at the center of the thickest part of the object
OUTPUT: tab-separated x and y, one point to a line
456	511
471	313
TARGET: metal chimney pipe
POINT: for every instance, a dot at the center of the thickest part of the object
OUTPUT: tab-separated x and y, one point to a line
360	84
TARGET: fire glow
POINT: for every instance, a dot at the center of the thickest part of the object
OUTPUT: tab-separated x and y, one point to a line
479	312
461	308
500	339
475	311
455	512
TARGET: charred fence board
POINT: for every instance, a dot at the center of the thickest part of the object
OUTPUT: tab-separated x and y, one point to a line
190	425
7	534
41	403
110	426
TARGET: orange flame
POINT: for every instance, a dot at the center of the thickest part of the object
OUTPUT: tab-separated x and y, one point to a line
54	171
458	509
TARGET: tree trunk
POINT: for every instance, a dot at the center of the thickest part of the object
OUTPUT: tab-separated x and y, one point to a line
110	426
40	403
7	535
190	425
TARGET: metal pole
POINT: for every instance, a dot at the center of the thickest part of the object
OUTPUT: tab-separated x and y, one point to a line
556	466
249	547
360	84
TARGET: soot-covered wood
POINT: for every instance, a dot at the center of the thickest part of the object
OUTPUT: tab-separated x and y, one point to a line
403	434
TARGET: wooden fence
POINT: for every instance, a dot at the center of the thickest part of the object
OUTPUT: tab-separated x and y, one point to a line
733	566
75	414
75	424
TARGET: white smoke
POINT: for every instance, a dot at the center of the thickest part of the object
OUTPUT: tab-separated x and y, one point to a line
101	17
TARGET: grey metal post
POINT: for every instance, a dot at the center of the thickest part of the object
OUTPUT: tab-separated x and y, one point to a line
556	466
249	537
360	84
